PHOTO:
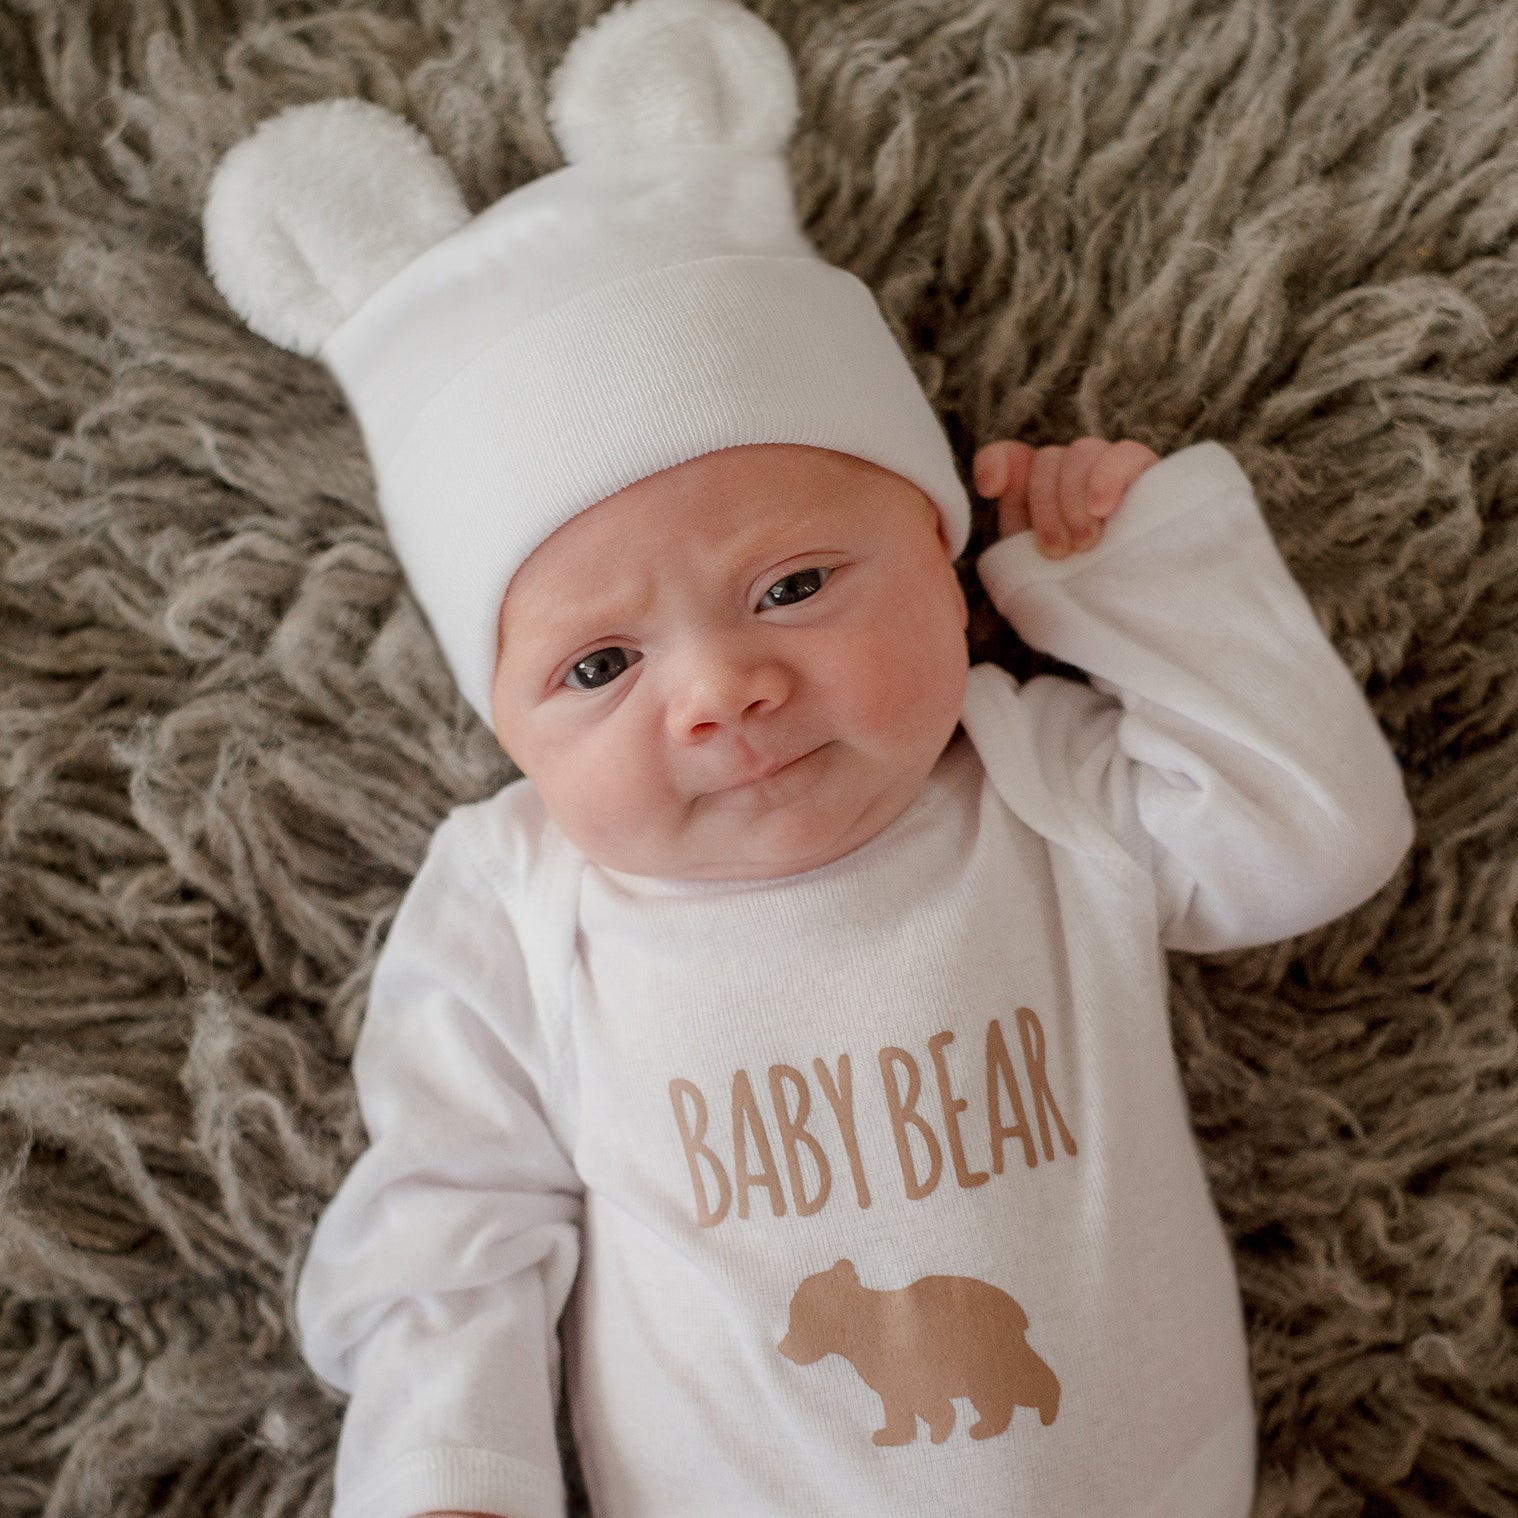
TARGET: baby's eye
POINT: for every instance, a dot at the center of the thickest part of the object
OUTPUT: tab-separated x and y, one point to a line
596	671
796	587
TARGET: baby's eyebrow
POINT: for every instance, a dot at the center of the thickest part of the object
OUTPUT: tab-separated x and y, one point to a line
556	632
742	561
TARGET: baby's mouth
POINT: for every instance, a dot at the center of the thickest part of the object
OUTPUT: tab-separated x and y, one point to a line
768	772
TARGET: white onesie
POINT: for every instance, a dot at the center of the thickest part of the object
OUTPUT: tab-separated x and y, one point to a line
871	1190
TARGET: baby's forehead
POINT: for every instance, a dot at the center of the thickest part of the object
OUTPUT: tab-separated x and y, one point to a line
760	471
732	495
719	510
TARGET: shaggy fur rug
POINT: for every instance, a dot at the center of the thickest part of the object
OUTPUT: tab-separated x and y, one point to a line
225	732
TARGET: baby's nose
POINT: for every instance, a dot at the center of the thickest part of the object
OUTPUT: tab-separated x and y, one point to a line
722	687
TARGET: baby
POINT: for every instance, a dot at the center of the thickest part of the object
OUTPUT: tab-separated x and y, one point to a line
783	724
793	1035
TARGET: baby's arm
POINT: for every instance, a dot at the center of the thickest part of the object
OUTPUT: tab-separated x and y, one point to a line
437	1274
1221	740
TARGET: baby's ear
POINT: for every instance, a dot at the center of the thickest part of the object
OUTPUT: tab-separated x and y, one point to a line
309	216
671	74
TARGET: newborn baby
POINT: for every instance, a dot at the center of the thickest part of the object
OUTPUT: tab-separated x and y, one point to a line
793	1034
749	730
809	997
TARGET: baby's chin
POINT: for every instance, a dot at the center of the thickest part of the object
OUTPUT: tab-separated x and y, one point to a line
755	843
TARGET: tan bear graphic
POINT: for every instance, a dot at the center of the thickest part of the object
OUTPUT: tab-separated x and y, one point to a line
939	1338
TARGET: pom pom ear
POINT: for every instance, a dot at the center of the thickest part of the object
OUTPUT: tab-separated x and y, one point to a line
673	73
310	215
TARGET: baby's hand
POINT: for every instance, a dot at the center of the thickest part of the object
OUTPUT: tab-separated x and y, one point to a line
1064	494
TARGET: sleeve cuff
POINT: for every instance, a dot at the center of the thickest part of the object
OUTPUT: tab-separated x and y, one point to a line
1176	485
456	1478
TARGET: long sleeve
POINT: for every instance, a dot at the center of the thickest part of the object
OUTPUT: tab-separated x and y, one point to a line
1222	741
436	1275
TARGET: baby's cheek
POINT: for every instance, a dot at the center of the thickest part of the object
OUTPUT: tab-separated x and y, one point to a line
892	700
594	799
918	678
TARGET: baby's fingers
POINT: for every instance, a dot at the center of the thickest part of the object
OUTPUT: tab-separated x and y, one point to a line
1001	470
1083	526
1111	475
1043	502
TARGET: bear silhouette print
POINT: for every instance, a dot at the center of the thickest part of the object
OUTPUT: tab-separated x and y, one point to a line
921	1346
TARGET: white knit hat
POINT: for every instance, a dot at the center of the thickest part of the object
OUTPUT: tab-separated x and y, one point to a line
653	301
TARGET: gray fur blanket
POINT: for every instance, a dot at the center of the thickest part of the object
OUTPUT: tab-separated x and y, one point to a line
226	733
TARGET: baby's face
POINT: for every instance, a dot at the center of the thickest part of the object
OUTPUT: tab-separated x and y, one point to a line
739	668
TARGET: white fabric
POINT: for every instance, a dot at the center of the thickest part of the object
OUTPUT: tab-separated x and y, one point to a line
653	300
533	1017
661	73
321	206
494	431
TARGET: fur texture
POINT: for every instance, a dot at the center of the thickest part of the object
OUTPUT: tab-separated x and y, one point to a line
644	77
1285	224
309	216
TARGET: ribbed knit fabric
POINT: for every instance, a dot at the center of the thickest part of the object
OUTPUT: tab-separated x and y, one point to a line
873	1183
514	440
457	1478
